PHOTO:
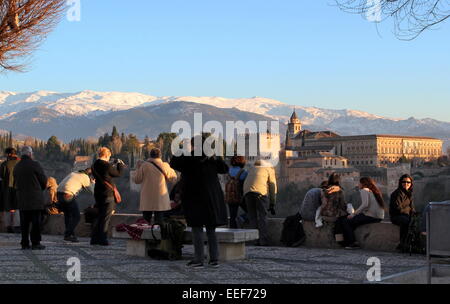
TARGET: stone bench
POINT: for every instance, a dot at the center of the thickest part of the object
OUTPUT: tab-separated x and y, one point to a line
231	241
382	236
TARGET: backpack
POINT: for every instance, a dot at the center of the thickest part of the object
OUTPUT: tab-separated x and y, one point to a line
293	234
171	243
233	189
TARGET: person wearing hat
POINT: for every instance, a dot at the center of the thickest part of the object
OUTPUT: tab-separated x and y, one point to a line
30	182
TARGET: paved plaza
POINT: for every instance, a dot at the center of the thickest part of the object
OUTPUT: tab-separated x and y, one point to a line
265	265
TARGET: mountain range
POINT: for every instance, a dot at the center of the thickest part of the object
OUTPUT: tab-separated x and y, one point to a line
89	113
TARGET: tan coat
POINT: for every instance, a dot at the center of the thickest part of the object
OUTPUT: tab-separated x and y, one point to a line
154	191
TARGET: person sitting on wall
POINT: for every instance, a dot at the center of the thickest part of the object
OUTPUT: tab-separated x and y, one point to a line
401	207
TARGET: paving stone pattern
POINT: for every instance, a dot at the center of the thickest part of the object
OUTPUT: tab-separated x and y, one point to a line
264	265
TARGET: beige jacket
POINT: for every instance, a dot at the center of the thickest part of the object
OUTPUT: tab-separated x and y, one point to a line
262	180
154	191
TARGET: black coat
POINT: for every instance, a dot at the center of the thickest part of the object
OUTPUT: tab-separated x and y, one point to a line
30	182
201	193
401	203
104	171
8	193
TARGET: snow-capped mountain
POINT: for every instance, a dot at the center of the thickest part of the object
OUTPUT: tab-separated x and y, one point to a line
91	103
50	110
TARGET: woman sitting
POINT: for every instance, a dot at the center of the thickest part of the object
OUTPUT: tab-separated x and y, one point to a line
401	207
371	211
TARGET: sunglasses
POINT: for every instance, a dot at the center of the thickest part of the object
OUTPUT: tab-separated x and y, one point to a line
406	182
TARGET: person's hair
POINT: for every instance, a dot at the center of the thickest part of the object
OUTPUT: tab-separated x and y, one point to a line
400	186
238	161
103	152
10	151
334	180
87	171
324	184
369	183
155	153
26	150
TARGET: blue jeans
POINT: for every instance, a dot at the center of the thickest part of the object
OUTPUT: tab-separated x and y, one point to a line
71	214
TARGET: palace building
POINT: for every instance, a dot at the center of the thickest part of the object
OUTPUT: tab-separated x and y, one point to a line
375	150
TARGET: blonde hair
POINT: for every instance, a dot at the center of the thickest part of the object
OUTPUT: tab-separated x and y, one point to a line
103	152
52	187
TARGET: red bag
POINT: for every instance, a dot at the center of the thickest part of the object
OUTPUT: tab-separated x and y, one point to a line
117	196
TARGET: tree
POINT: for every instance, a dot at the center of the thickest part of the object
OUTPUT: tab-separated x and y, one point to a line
116	142
164	141
410	17
53	148
23	26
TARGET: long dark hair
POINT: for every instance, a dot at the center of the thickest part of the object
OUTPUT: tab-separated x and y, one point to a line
334	180
400	186
369	183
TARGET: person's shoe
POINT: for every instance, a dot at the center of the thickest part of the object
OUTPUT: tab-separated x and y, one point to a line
195	265
17	229
213	264
38	247
26	247
103	243
9	229
352	246
72	239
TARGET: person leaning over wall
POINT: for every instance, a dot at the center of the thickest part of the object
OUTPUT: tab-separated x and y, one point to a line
260	192
68	190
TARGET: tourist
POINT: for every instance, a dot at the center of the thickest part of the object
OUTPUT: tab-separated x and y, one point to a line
8	192
68	190
401	207
203	200
234	188
153	176
333	200
370	211
30	182
311	202
104	172
260	190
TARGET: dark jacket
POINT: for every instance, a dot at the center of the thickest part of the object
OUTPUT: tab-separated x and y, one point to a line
30	182
202	195
8	200
401	203
104	171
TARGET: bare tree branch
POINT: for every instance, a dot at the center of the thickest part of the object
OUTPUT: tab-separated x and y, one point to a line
23	26
411	17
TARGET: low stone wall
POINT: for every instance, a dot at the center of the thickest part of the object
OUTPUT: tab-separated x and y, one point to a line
381	236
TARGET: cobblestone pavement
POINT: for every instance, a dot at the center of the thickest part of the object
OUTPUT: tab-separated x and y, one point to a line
265	265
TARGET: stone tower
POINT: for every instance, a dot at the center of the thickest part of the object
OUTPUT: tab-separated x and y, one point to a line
294	129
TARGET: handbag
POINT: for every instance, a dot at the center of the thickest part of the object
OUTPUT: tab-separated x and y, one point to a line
117	196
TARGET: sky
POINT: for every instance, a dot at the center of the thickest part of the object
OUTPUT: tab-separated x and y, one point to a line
301	52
